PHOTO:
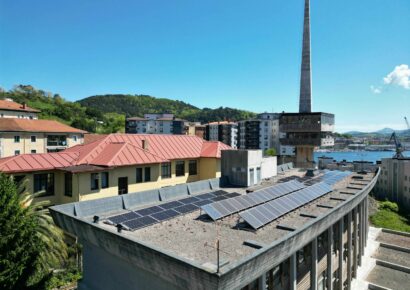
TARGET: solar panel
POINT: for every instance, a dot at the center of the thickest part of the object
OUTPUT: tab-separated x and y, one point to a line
189	200
236	204
171	204
149	210
263	214
139	223
123	217
186	208
165	215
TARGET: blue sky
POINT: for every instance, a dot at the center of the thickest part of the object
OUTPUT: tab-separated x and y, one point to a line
243	54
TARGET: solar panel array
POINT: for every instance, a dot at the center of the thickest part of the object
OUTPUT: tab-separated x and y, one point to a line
265	213
221	209
333	177
134	220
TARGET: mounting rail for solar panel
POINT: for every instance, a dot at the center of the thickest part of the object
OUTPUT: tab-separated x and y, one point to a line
221	209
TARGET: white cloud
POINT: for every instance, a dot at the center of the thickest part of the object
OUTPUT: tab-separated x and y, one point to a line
399	76
376	90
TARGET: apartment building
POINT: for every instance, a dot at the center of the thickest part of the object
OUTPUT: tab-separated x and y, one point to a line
225	132
155	124
25	136
259	133
11	109
394	181
116	164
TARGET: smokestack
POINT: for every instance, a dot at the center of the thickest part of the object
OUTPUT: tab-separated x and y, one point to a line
305	98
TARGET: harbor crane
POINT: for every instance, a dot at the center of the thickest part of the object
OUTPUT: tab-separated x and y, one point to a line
399	148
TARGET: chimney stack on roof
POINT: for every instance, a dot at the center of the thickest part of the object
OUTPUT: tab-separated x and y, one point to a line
145	144
24	105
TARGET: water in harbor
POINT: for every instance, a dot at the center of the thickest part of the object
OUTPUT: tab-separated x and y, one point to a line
372	156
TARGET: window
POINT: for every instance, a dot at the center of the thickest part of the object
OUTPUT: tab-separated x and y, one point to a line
68	184
94	181
104	180
192	167
56	140
16	152
180	168
33	151
166	170
147	174
44	182
16	139
139	175
75	138
33	139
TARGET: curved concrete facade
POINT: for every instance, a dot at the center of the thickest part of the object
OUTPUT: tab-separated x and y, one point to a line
311	257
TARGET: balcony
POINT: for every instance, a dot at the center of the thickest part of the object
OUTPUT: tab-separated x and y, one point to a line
56	141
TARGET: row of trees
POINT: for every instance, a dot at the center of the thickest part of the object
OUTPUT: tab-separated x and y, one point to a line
31	246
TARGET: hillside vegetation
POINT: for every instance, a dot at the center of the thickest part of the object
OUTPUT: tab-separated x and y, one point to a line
106	114
55	107
138	105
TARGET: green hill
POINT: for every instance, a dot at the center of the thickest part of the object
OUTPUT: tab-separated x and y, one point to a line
106	114
138	105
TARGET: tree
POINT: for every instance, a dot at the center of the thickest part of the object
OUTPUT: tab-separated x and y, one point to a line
31	246
20	246
270	152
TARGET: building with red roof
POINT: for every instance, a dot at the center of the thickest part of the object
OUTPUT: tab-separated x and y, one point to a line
117	164
23	136
11	109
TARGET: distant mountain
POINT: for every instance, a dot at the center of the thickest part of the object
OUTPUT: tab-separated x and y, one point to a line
138	105
385	131
382	132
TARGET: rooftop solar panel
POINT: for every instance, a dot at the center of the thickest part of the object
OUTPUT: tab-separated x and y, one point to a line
236	204
263	214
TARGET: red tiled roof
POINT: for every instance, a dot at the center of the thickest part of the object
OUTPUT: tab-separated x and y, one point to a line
121	154
213	149
13	106
35	162
119	150
27	125
89	138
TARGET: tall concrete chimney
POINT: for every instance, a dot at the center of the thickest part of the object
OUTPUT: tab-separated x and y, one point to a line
305	98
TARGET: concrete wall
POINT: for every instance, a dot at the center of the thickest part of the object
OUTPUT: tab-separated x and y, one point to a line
238	165
394	181
269	167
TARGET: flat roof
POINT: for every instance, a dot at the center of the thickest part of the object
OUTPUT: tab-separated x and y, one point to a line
193	236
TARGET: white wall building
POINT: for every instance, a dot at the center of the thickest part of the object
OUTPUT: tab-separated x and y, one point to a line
155	124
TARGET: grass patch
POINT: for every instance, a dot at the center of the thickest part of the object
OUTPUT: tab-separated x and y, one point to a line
388	216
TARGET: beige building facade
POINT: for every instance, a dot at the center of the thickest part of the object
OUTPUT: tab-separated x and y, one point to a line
26	136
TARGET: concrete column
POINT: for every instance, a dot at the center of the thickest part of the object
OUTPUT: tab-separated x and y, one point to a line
262	282
313	273
355	231
367	221
363	227
359	209
349	250
340	246
292	270
329	258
